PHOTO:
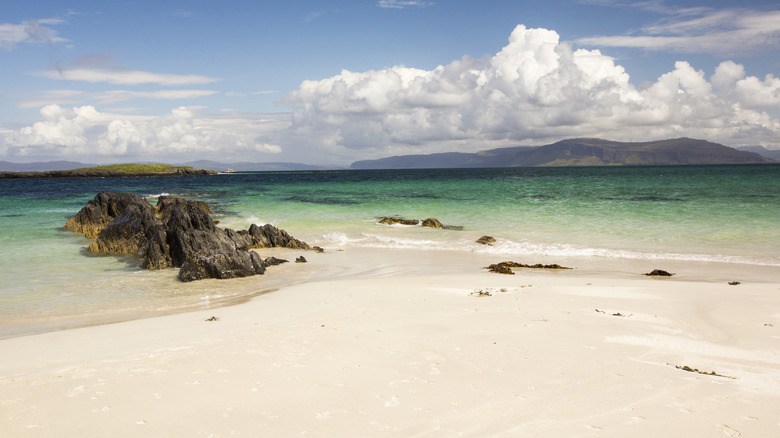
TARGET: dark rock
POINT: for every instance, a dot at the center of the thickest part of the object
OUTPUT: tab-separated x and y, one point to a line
300	259
506	267
221	265
166	205
659	273
432	223
273	261
177	233
541	266
138	233
394	221
501	268
103	209
486	240
190	230
268	236
157	253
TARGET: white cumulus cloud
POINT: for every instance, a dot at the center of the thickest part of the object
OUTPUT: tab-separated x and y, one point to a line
179	136
535	89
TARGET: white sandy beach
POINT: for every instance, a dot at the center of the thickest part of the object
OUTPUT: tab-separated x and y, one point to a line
395	343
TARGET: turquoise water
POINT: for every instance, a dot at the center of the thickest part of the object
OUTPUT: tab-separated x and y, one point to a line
715	213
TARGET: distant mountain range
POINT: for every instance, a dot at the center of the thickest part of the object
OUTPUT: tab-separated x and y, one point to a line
572	152
41	166
760	150
578	152
245	166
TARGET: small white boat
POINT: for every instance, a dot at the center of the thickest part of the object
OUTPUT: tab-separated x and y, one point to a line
230	171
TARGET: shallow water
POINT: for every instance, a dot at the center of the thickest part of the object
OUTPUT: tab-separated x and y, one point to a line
691	213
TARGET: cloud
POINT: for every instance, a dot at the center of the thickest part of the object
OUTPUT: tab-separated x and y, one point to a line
125	77
76	97
402	4
536	89
702	30
178	136
32	32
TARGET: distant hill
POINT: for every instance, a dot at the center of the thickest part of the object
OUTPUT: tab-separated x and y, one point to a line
578	152
245	166
40	166
760	150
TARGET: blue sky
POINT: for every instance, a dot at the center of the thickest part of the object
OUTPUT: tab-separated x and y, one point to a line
330	82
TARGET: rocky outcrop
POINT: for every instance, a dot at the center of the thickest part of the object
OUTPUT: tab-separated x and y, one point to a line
176	233
103	209
221	265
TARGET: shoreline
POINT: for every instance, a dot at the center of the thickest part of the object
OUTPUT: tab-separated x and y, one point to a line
291	274
209	294
397	343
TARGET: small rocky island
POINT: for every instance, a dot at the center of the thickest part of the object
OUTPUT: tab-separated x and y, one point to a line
176	233
114	171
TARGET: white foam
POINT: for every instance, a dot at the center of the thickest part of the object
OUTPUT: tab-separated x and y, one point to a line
338	239
526	248
256	220
567	250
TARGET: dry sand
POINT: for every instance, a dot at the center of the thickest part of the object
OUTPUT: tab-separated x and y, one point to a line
392	343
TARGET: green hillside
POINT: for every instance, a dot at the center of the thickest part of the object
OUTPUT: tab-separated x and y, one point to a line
136	168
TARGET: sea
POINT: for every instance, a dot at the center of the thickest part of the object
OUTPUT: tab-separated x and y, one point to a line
721	214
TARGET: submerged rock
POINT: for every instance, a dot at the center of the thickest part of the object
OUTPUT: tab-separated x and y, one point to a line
486	240
394	221
273	261
176	233
432	223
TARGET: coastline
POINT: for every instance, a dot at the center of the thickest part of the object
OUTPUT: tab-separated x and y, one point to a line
104	173
395	343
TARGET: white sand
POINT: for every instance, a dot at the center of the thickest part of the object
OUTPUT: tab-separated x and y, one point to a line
394	343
